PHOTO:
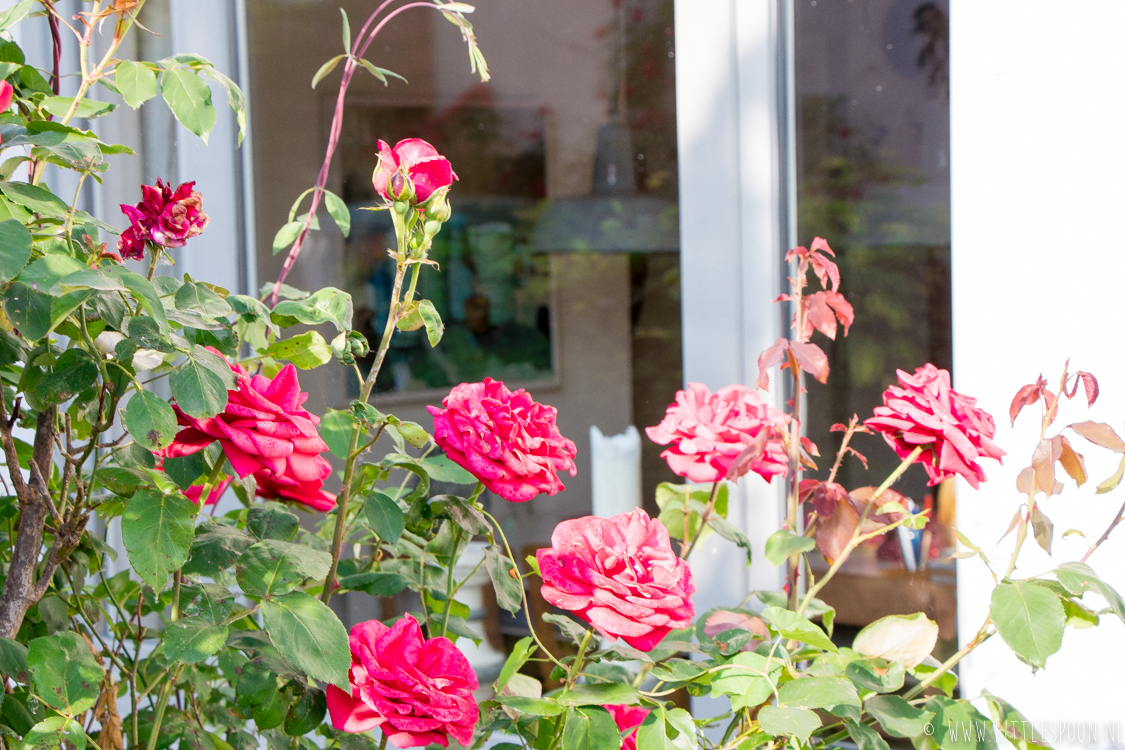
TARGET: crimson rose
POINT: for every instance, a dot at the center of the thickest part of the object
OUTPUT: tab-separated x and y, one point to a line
418	160
163	217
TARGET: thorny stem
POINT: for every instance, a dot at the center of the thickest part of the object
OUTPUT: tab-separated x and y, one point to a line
843	448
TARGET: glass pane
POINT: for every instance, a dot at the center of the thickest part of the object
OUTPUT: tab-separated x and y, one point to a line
873	179
559	271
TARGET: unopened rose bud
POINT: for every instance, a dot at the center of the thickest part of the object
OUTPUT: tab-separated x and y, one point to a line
357	343
438	209
402	187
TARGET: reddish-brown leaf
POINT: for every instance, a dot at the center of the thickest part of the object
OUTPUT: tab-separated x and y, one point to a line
782	298
1043	462
1090	384
811	358
843	309
820	315
1015	519
838	427
810	446
821	244
862	496
1072	462
796	252
826	271
1099	433
837	518
1025	396
768	359
751	453
862	458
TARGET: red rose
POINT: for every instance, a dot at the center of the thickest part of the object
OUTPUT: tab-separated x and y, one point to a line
163	217
418	160
620	575
924	410
6	93
506	440
263	431
628	717
309	494
709	432
416	691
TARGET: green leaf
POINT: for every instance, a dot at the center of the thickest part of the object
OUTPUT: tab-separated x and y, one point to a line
906	638
590	728
881	678
784	543
208	600
252	310
434	327
14	15
15	249
150	420
307	351
376	583
896	716
272	567
193	639
324	70
329	305
608	693
13	660
136	82
197	390
793	625
441	469
959	726
384	516
798	722
1013	725
521	652
509	590
748	678
64	672
338	210
36	199
347	31
63	306
272	523
74	371
1078	578
865	737
216	365
1114	480
306	713
29	311
200	299
143	290
216	547
54	733
157	531
307	633
189	98
336	431
87	108
818	692
412	432
1030	619
44	273
665	729
530	706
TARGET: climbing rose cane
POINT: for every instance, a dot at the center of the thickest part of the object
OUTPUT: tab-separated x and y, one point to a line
506	440
628	717
163	217
709	432
426	168
923	410
416	691
620	575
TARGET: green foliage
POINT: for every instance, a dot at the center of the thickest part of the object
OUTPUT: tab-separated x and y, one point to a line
64	672
157	530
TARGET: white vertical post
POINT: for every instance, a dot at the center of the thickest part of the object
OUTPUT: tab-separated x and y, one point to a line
1036	109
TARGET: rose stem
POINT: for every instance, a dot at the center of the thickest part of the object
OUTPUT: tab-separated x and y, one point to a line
703	519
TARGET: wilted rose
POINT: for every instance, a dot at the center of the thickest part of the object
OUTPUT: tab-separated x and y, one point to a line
923	410
428	170
506	440
263	431
416	691
620	575
710	432
628	717
163	217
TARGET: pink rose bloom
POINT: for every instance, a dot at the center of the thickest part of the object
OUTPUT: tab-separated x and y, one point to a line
426	168
309	494
504	439
628	717
416	691
263	431
924	410
709	432
163	217
620	575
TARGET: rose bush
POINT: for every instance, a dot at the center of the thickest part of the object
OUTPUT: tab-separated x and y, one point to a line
506	440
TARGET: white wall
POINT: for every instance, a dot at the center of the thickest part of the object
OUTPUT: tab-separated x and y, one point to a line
1037	153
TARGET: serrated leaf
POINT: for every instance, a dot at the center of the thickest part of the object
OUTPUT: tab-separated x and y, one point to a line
198	298
272	567
29	311
192	639
1078	578
596	694
15	249
793	625
309	634
216	546
781	544
286	235
143	290
150	420
818	692
157	531
135	82
74	371
1029	618
189	98
328	305
590	728
272	523
521	652
198	391
53	733
384	516
798	722
64	672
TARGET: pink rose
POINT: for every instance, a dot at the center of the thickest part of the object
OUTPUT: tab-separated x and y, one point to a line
710	432
416	691
163	217
620	575
263	431
924	410
506	440
628	717
194	492
310	494
418	160
6	93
